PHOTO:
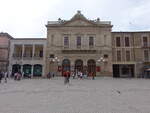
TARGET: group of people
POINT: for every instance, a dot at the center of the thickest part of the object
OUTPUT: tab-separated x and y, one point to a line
83	75
67	74
50	75
3	75
17	76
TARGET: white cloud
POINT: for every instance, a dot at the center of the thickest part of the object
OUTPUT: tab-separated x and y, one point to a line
27	18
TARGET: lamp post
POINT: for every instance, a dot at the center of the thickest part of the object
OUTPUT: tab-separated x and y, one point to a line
102	60
55	60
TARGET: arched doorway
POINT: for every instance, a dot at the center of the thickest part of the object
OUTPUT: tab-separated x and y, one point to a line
91	66
16	68
66	65
37	70
27	70
79	65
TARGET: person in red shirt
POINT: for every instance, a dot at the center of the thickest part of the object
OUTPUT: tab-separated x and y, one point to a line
66	74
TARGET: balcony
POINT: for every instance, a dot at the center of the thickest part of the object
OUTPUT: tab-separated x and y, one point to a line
27	56
37	58
17	56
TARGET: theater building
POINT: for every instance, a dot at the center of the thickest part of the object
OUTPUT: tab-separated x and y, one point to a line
79	44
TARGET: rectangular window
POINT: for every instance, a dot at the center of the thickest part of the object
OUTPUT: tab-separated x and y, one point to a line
78	41
145	41
118	55
146	55
127	43
118	42
66	41
91	41
128	56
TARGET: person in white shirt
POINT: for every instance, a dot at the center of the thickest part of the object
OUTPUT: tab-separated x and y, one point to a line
81	75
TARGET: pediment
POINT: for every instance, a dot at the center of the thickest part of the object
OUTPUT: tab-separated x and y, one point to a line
79	22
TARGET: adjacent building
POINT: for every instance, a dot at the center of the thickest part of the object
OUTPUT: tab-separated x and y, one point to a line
27	55
131	54
4	50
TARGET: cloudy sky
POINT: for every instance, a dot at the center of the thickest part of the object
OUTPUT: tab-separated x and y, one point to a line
27	18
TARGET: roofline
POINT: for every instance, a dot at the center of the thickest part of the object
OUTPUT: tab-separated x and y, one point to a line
130	31
29	38
6	34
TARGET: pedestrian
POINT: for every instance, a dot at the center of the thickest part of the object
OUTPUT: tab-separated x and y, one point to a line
81	75
85	74
73	75
49	75
65	77
93	75
15	76
53	74
5	76
68	76
78	74
23	74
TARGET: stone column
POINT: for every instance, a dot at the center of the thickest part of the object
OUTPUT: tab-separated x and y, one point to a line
43	68
32	66
33	51
23	51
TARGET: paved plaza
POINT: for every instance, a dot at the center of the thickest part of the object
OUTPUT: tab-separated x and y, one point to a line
102	95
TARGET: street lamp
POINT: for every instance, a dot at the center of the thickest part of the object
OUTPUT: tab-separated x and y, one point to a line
55	60
103	60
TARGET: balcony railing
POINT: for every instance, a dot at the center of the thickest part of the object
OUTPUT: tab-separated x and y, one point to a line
17	56
37	58
27	56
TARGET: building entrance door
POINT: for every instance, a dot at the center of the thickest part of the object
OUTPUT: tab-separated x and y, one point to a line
91	67
16	68
79	65
65	65
37	70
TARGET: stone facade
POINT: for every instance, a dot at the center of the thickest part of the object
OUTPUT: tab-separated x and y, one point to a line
27	55
82	28
136	63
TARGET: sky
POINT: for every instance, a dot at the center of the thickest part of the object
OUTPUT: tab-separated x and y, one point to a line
27	18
